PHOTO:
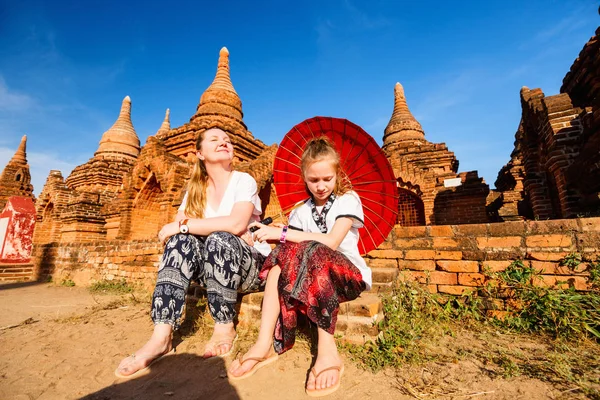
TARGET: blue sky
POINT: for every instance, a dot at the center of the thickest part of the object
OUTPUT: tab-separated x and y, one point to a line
65	67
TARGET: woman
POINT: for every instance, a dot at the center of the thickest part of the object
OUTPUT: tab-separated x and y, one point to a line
203	243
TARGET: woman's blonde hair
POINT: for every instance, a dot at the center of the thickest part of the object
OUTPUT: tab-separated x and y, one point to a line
319	149
196	188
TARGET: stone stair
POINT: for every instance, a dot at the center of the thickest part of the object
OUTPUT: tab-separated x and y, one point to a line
357	319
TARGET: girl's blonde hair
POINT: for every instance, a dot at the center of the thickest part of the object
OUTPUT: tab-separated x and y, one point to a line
319	149
196	188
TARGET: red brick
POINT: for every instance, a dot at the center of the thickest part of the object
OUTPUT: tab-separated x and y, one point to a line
420	255
386	254
448	255
473	279
548	241
444	242
382	263
441	230
458	266
547	256
496	266
499	242
443	278
554	268
453	289
423	265
429	278
552	281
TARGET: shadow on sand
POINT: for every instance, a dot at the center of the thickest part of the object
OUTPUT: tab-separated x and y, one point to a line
178	376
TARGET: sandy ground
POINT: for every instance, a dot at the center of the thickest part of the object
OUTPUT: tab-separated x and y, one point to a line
74	341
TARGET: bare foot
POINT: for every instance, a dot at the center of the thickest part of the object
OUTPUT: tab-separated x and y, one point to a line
328	378
221	341
160	343
260	351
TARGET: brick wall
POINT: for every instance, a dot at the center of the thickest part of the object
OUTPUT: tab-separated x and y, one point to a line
85	263
452	258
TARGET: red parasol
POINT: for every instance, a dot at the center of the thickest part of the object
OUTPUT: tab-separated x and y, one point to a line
364	163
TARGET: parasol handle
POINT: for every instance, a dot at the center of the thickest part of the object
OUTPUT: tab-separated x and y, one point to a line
265	221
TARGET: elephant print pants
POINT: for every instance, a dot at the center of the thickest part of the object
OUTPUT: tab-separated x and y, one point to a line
221	262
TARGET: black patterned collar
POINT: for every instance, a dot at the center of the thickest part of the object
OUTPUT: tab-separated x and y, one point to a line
319	218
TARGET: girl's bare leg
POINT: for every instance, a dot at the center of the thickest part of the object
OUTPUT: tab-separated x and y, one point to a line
327	356
270	312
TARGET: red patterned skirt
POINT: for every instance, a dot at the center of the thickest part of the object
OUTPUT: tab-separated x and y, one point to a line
314	281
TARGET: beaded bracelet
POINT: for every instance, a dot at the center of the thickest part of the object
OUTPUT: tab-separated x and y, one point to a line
283	234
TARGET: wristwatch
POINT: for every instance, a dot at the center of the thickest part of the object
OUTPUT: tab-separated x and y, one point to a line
183	228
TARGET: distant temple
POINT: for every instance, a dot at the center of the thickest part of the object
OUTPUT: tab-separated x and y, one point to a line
15	179
554	170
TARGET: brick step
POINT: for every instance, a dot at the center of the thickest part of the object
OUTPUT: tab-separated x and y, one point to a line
356	319
16	272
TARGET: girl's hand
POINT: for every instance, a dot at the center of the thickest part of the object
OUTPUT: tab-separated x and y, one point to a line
266	233
167	231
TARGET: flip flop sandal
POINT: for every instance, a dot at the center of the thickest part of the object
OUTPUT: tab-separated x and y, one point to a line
262	361
329	390
214	345
144	370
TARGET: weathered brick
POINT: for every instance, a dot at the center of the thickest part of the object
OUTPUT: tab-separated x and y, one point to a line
471	230
554	240
420	255
458	266
511	228
418	265
418	243
547	256
382	263
441	230
496	266
578	282
499	242
590	224
409	231
448	255
471	279
453	289
552	226
386	254
444	242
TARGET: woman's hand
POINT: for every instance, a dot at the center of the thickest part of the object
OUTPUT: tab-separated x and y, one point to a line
167	231
247	237
266	233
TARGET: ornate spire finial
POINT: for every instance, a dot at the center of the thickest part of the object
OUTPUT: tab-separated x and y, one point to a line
121	137
21	153
402	125
166	124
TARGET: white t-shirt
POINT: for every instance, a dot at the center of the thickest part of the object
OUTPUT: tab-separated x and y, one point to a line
241	187
346	205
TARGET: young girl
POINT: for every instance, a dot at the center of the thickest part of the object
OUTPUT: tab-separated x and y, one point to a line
203	244
315	268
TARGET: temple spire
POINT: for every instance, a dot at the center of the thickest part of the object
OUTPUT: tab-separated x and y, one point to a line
121	137
21	154
220	98
166	124
402	125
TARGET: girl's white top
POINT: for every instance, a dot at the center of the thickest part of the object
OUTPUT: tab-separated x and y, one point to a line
241	187
347	205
